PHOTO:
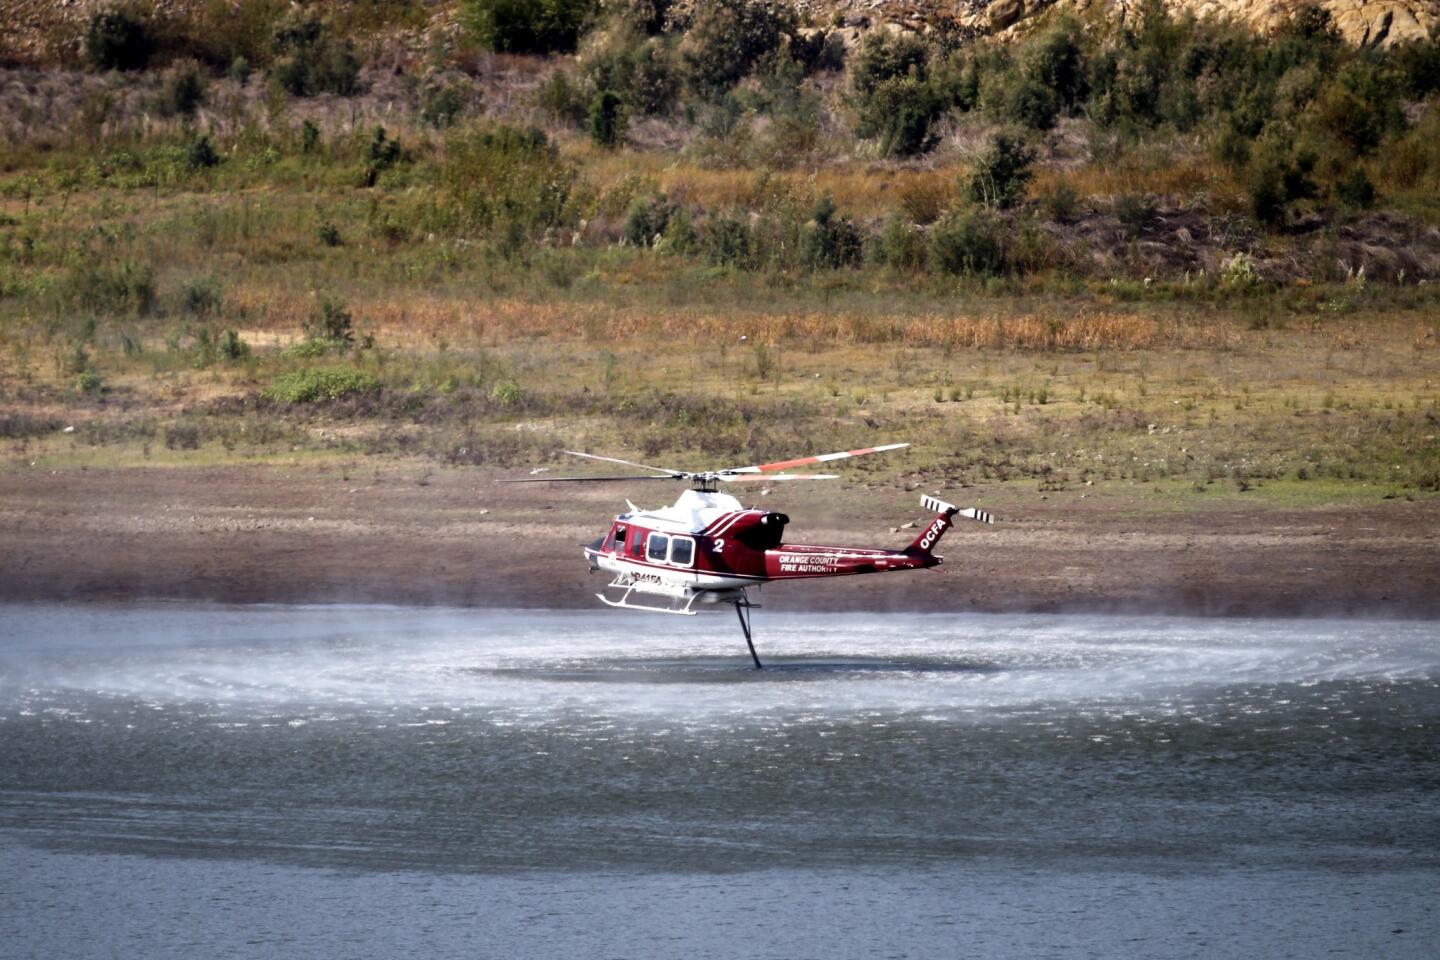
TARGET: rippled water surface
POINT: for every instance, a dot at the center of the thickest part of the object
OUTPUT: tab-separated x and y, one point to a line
337	782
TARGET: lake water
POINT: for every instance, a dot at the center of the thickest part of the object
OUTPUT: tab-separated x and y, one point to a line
209	781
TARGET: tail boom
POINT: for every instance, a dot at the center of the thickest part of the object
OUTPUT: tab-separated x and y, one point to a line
795	561
924	545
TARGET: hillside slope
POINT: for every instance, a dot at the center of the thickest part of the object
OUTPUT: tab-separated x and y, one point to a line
43	31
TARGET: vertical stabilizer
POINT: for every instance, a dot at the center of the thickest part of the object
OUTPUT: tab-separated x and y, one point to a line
924	544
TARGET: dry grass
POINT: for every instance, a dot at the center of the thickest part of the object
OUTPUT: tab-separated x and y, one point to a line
422	321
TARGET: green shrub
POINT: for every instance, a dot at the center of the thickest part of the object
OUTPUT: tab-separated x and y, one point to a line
680	237
292	74
884	57
381	153
830	241
779	87
330	234
1279	177
309	137
443	105
201	297
526	26
900	245
505	180
321	383
900	114
240	70
1268	201
647	220
335	68
818	50
1232	148
231	347
967	243
314	59
508	393
182	435
331	323
923	200
1419	64
1029	103
1134	211
1356	190
1055	60
562	99
184	89
644	16
642	70
89	383
1002	173
728	241
235	34
101	288
314	349
201	155
654	78
78	361
607	119
1239	272
1362	105
1297	89
1310	24
1122	91
894	101
956	80
724	39
1061	202
119	39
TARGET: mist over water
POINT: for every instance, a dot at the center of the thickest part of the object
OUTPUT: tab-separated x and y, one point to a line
897	784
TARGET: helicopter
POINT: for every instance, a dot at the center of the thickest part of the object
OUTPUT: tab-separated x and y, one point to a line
708	549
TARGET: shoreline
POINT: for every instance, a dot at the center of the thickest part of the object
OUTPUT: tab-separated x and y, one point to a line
787	610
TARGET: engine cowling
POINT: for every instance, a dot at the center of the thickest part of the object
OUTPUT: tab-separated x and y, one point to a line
763	532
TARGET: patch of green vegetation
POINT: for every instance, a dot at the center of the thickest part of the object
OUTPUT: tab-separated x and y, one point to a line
319	383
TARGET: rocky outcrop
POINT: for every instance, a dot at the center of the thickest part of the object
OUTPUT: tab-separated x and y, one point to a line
1366	22
1363	22
48	31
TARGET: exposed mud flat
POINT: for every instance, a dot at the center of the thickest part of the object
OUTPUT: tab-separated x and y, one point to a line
411	534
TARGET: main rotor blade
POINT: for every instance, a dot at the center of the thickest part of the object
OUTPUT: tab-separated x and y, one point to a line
767	477
580	479
822	458
628	463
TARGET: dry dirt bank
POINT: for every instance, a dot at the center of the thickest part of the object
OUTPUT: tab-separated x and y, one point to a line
410	535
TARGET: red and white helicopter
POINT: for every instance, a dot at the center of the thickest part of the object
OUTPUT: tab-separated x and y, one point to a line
708	549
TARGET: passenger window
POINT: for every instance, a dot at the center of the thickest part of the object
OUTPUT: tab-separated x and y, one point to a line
682	551
658	544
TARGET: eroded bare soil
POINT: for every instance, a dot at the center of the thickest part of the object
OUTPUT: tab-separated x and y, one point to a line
410	534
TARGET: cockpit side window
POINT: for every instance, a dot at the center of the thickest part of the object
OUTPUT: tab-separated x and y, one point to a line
637	543
617	538
659	543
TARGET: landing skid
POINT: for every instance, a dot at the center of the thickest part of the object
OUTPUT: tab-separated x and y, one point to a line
684	605
685	609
